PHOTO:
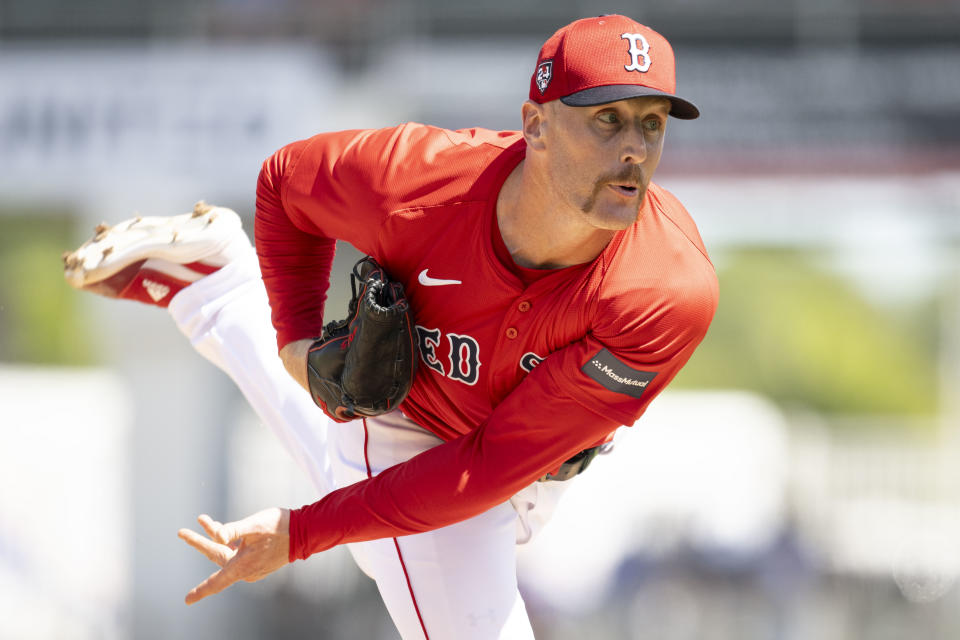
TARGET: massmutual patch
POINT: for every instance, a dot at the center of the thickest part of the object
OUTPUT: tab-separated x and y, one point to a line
612	374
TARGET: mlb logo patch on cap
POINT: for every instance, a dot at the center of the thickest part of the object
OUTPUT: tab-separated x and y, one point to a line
544	75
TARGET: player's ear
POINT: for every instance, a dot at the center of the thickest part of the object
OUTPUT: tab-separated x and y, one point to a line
533	124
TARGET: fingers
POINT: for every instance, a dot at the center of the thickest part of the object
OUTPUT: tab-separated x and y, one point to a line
215	583
216	553
227	534
247	549
209	524
214	529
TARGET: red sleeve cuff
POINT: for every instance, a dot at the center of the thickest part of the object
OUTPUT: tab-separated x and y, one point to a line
296	538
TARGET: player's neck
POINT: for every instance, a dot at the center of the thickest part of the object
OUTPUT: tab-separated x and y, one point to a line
538	232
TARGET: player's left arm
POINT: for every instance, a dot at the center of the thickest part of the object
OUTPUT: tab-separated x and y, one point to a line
248	549
571	401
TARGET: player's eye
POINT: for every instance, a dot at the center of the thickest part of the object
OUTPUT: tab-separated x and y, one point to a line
653	124
608	117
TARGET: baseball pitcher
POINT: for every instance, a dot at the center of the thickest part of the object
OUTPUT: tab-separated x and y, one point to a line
525	294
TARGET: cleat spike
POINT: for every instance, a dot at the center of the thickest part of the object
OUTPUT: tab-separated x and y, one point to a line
100	231
200	208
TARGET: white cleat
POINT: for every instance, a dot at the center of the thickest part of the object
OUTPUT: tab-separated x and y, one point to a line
150	259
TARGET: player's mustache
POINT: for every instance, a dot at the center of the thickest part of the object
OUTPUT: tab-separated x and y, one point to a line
631	174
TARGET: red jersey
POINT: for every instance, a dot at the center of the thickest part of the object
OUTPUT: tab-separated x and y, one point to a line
520	369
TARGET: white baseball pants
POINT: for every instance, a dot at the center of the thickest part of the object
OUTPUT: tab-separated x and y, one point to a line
454	583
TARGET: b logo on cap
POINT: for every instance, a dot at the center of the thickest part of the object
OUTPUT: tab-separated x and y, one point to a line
639	48
544	75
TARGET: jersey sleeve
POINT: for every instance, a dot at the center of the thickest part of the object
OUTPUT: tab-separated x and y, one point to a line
571	401
634	352
294	263
333	186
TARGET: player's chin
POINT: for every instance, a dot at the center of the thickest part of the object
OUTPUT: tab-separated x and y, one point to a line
615	218
618	213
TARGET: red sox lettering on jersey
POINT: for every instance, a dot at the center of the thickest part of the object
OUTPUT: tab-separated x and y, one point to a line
464	355
529	361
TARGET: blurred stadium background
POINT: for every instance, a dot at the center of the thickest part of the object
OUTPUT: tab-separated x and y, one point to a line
800	481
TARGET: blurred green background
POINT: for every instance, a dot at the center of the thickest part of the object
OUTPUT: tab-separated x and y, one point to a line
40	321
791	329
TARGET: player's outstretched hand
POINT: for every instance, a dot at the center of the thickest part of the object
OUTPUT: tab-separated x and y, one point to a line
247	549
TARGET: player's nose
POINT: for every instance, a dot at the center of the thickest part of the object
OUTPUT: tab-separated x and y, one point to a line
633	146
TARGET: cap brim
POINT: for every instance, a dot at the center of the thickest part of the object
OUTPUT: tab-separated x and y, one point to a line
679	108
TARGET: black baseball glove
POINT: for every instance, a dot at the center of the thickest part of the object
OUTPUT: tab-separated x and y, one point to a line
364	365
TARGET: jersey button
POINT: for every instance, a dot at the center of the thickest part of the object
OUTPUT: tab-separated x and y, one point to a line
524	306
512	333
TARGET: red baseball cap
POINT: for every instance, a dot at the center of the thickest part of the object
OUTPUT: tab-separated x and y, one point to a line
599	60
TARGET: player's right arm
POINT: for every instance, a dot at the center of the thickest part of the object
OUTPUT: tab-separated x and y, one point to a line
294	357
287	253
309	194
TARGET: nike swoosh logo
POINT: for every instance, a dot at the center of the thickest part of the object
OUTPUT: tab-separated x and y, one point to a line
427	281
